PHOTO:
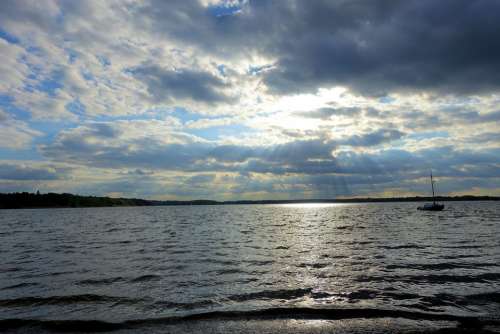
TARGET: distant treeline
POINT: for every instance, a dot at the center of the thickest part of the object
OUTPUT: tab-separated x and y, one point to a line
52	200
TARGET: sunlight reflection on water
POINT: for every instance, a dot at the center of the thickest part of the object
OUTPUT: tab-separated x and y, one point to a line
312	205
124	263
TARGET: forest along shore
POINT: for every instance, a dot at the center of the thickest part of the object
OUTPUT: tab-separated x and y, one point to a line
25	200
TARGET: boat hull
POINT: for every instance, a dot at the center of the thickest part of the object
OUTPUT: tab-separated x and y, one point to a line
431	207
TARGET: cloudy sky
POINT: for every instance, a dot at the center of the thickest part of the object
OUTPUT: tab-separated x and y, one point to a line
250	99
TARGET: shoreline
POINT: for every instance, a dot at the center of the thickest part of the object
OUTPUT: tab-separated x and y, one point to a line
274	320
53	201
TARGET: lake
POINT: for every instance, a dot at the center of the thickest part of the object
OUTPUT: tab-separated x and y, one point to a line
131	265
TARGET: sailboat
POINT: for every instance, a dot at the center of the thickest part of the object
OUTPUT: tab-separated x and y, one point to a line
432	206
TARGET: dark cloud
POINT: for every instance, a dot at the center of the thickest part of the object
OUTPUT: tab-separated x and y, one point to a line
327	113
485	138
449	116
35	13
372	47
86	146
23	172
168	85
139	172
104	130
231	153
83	145
4	117
473	116
300	150
454	114
372	138
303	157
200	179
406	45
152	154
314	165
490	117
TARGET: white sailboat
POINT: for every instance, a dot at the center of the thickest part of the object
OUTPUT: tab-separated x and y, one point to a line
432	206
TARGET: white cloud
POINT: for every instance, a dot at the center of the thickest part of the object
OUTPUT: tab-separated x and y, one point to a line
279	72
15	134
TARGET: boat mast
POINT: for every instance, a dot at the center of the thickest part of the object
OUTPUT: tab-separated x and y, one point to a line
432	185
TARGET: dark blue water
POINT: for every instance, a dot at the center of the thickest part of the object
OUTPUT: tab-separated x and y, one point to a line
121	264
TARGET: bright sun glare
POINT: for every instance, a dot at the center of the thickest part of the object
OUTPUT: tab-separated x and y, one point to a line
311	205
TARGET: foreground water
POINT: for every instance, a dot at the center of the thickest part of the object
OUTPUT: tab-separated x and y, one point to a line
122	265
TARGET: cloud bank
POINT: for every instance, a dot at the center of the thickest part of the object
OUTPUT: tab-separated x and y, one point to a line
250	99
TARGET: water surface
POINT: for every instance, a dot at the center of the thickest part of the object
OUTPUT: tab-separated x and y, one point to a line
121	264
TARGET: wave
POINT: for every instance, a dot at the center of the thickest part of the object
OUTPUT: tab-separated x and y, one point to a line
443	299
434	279
228	271
145	278
271	294
345	227
422	302
465	247
215	261
89	298
102	281
352	296
406	246
258	262
263	314
486	297
65	300
111	280
441	266
183	306
17	286
316	265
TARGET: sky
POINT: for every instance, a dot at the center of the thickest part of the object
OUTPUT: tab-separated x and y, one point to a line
250	99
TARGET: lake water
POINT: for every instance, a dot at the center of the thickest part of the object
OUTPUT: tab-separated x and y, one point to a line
139	263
